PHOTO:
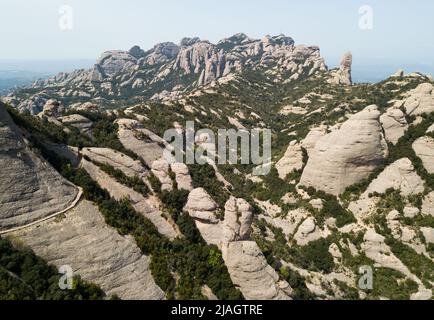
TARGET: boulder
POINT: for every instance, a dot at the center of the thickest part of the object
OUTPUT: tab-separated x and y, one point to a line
398	74
424	148
78	121
348	155
291	161
428	234
201	206
400	176
52	108
394	124
238	220
203	209
312	138
420	100
251	273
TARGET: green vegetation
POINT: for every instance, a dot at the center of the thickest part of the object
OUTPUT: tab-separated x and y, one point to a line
331	209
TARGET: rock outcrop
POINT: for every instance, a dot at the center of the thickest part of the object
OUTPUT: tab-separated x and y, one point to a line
133	137
182	176
246	263
348	155
313	137
160	168
78	121
203	209
400	176
424	148
117	160
343	74
394	124
420	100
31	189
95	251
291	161
238	220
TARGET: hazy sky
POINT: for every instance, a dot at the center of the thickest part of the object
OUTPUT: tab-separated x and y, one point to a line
403	29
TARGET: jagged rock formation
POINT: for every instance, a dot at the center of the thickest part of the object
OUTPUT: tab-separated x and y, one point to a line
203	209
116	159
291	161
169	69
394	124
424	148
419	100
95	251
348	155
238	220
343	74
182	176
246	263
31	188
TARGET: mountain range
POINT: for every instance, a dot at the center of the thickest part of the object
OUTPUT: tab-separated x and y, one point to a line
350	191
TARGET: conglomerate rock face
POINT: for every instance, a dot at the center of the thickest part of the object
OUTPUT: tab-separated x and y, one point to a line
348	155
30	188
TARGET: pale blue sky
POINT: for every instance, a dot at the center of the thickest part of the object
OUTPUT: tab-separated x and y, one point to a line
403	29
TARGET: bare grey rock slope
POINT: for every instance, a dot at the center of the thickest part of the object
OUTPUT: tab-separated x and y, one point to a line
83	241
30	189
348	155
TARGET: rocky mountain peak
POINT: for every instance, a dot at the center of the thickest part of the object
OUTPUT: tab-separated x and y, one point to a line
187	42
137	52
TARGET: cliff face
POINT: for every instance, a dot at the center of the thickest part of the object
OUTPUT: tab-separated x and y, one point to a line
30	188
